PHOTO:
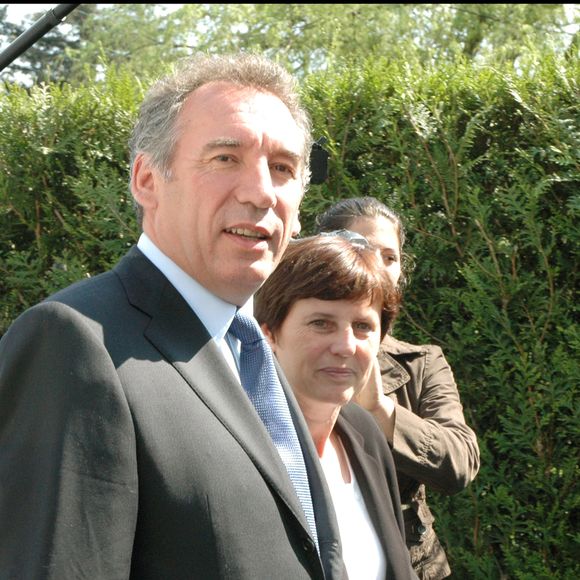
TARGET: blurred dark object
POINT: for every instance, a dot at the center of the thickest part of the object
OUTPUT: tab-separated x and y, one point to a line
318	162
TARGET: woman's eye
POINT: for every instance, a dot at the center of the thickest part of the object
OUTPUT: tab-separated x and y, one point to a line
364	328
389	257
319	323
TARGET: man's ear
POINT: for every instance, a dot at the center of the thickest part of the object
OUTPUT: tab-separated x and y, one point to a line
269	336
143	182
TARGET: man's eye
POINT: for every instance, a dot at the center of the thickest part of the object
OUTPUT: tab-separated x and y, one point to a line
283	168
224	158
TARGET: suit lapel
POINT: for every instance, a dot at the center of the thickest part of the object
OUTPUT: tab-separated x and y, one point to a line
370	476
184	342
326	522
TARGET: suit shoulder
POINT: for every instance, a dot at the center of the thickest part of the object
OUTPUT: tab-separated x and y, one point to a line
101	288
89	287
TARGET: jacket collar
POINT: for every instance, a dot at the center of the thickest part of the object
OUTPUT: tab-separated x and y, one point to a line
394	374
178	334
395	346
366	468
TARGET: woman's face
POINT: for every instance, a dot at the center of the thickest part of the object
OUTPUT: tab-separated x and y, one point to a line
382	234
327	347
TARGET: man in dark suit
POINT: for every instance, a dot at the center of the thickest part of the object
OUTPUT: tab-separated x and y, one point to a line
128	448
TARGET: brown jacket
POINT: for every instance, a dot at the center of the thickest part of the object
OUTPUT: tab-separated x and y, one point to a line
432	445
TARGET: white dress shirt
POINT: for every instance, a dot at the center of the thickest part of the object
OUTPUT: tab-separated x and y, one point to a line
215	314
362	552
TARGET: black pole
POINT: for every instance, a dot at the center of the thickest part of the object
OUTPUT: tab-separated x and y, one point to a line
51	19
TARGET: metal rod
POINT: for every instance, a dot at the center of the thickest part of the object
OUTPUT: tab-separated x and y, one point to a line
43	25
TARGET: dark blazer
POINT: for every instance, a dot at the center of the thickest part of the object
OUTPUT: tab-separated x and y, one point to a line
128	448
372	462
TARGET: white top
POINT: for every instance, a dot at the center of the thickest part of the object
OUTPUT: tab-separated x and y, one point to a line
363	554
215	314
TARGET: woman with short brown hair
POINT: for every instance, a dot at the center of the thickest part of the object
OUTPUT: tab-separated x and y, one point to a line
324	311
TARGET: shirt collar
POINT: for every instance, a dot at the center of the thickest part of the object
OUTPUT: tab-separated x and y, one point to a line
215	314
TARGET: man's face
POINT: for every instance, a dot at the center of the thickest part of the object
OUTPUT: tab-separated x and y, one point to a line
231	205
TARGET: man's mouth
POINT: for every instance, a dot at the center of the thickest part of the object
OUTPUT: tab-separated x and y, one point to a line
247	233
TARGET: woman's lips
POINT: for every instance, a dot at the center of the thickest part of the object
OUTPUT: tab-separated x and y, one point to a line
338	372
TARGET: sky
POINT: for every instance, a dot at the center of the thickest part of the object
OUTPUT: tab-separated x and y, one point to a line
17	12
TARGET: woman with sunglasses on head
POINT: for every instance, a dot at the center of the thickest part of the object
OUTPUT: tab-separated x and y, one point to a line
413	397
324	311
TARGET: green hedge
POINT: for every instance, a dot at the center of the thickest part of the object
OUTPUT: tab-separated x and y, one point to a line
65	208
483	164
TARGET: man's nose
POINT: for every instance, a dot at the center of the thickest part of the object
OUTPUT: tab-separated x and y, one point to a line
256	186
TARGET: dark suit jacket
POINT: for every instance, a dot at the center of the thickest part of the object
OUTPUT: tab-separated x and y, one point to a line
372	462
128	449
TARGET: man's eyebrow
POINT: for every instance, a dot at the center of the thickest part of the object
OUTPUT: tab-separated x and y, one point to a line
230	142
221	142
297	158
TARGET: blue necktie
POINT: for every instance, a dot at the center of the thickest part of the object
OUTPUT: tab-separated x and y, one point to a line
262	385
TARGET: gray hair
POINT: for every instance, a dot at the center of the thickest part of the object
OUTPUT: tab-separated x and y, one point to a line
156	131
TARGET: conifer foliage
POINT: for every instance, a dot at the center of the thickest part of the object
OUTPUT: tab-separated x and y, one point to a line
484	165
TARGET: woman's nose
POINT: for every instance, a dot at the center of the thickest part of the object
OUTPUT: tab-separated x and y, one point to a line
344	343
